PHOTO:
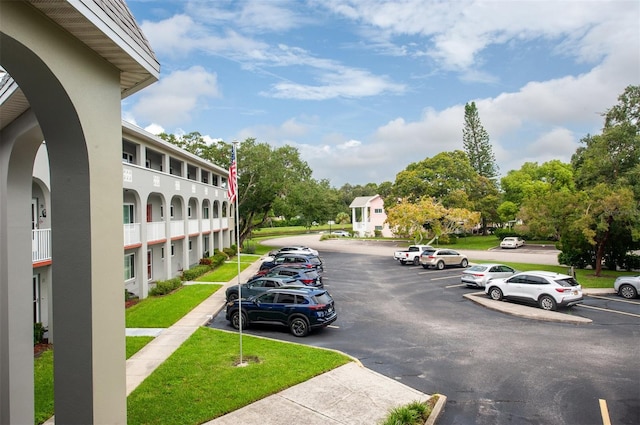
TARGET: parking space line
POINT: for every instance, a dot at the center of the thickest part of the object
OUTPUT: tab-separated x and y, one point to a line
455	286
608	310
604	411
614	299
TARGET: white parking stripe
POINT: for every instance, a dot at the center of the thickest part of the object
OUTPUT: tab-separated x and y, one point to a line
620	300
455	286
608	310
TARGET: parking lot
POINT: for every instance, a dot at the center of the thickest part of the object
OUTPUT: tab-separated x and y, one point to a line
415	325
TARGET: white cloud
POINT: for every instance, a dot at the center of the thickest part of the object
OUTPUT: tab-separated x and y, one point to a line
177	96
155	129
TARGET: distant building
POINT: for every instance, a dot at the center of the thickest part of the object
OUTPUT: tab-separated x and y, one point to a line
368	216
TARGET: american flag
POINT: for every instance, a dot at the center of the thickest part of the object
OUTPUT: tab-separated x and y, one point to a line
233	177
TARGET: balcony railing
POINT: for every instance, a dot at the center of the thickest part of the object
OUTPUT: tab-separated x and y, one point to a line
194	227
132	234
177	228
40	245
156	231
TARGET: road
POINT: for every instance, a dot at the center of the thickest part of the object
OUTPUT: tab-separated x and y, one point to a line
415	326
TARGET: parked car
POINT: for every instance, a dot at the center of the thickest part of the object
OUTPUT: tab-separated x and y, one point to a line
311	261
298	249
546	289
441	258
309	277
411	255
512	242
299	309
343	233
480	274
259	286
627	286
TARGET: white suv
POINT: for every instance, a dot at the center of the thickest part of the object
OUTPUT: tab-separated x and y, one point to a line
546	289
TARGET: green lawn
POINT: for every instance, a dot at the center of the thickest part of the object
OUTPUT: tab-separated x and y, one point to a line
200	381
164	311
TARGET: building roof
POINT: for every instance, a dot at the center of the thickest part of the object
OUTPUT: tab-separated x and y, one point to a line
362	201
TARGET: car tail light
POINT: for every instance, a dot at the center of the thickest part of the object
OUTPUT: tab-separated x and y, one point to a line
478	275
561	290
307	281
317	307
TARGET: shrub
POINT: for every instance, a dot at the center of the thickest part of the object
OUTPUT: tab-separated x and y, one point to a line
38	332
414	413
205	261
195	272
231	251
631	262
249	248
164	287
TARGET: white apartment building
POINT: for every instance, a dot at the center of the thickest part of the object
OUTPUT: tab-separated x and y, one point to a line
175	212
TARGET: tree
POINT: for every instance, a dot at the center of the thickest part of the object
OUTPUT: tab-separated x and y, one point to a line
265	174
476	143
428	218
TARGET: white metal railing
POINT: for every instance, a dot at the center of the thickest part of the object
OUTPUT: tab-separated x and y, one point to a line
177	228
156	231
40	245
194	227
132	234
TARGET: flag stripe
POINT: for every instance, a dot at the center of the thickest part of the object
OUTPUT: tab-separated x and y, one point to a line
233	177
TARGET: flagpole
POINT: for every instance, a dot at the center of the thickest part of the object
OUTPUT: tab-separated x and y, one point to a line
237	225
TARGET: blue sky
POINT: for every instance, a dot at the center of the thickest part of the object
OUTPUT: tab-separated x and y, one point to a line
362	88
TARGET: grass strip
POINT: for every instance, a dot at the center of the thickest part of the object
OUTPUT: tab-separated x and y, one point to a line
225	272
201	381
164	311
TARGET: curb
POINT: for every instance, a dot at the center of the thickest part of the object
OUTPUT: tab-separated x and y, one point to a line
438	409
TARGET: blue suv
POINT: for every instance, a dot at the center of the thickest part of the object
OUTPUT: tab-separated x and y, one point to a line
299	309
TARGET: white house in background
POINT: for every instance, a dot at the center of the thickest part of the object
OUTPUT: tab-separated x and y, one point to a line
367	216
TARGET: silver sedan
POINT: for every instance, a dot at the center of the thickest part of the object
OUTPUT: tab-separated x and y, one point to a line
480	274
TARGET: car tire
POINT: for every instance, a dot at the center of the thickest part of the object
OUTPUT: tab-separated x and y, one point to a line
232	297
299	326
464	263
235	320
546	302
403	262
416	261
440	265
424	266
627	291
495	294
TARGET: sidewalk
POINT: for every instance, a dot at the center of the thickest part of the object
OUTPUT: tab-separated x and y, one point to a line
348	395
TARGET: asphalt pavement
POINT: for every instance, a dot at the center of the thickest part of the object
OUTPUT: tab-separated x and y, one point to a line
350	394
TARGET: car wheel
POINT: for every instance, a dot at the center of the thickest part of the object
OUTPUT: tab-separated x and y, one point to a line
547	302
299	327
440	265
495	294
232	296
424	266
627	291
403	262
235	320
416	261
464	263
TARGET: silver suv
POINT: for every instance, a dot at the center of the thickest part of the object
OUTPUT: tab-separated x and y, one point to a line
546	289
441	258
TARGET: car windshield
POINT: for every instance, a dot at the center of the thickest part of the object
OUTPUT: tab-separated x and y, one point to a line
428	252
315	260
569	281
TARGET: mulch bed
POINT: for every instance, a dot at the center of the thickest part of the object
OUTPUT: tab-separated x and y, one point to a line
38	349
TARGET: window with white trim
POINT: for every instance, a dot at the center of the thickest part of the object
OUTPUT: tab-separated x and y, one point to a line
129	266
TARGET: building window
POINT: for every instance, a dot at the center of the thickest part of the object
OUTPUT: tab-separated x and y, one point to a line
173	250
190	244
205	211
189	211
378	228
171	211
214	180
162	253
377	211
127	214
129	266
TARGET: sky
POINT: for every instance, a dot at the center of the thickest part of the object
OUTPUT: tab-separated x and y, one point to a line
363	88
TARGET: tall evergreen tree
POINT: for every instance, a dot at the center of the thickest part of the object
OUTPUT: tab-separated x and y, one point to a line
476	143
